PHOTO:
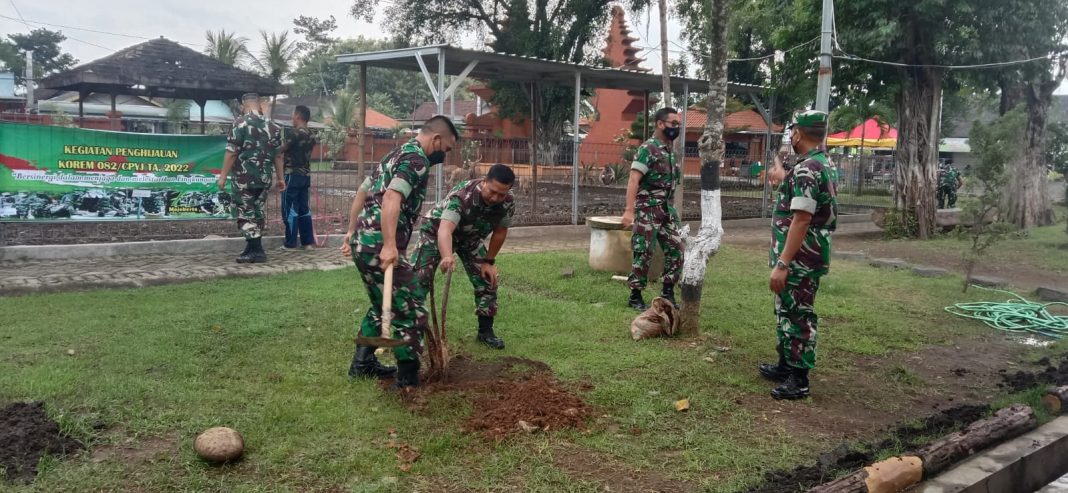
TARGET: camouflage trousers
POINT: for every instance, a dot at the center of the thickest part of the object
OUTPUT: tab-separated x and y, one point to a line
797	320
247	206
653	225
426	258
947	197
409	309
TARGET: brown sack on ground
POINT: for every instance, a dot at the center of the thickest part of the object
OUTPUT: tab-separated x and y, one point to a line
662	318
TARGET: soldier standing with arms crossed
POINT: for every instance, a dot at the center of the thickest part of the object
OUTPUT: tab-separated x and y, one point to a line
380	225
653	177
805	216
252	157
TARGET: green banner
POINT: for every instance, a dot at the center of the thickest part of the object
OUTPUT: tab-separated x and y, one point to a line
50	172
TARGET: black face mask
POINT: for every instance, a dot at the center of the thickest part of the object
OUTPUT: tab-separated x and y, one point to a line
671	133
436	157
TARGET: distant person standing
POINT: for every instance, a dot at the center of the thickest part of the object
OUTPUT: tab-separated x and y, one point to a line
297	148
253	159
949	181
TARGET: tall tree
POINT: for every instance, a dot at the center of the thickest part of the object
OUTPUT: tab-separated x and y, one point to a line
706	243
48	56
318	73
1026	29
316	33
277	55
225	47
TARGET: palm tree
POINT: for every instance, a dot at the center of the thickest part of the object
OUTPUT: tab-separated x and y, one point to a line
225	47
277	55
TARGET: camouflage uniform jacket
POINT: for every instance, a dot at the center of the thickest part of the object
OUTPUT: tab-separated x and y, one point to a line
299	143
474	218
255	142
659	174
406	170
809	186
948	177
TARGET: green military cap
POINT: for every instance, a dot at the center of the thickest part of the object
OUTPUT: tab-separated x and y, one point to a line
811	118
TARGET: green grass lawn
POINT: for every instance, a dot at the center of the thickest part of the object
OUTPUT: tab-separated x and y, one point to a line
268	356
1044	248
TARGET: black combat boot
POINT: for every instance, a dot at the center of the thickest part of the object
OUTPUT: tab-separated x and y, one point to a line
407	375
246	255
795	387
776	373
258	255
485	333
366	365
668	293
636	302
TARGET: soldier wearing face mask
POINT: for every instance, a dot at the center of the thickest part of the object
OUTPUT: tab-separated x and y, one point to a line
380	224
649	211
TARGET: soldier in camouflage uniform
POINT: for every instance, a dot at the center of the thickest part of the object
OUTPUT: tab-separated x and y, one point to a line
461	222
380	226
297	146
649	211
949	181
252	157
805	216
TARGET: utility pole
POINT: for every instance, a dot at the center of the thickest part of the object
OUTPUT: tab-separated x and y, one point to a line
29	80
823	88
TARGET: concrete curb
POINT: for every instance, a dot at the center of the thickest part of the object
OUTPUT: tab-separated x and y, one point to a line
222	245
1026	463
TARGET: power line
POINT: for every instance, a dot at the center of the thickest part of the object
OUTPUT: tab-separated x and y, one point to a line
847	56
17	11
132	36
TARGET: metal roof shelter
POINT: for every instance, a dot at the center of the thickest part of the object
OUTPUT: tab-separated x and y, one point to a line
161	68
446	60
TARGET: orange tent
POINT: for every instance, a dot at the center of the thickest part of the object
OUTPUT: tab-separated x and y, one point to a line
871	134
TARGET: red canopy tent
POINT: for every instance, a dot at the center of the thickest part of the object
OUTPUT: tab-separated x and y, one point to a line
870	134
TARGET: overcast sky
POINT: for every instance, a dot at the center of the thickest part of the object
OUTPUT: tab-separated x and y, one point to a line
187	20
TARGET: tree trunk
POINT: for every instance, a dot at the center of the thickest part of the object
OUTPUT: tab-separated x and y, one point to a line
1007	423
1056	400
706	243
916	159
1029	203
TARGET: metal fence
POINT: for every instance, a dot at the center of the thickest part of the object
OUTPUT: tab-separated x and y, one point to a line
550	192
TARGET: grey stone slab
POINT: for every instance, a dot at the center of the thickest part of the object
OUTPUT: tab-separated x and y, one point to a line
853	256
1046	293
989	281
889	263
928	271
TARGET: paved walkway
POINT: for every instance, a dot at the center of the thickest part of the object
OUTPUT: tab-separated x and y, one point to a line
32	276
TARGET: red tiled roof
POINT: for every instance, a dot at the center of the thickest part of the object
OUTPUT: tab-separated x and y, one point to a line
740	121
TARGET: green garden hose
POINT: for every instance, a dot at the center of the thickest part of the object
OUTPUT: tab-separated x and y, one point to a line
1015	315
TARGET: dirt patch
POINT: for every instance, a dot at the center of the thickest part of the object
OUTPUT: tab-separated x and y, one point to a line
26	435
509	395
614	475
147	450
846	457
1023	380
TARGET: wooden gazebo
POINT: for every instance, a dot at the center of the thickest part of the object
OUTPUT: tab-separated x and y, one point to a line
161	68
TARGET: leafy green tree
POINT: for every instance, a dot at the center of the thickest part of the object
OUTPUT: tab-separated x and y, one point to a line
980	222
48	56
316	33
277	56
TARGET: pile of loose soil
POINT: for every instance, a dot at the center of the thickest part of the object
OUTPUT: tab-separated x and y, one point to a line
526	406
509	395
1051	375
27	434
846	457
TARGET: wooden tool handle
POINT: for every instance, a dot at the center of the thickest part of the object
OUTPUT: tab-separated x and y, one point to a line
387	302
